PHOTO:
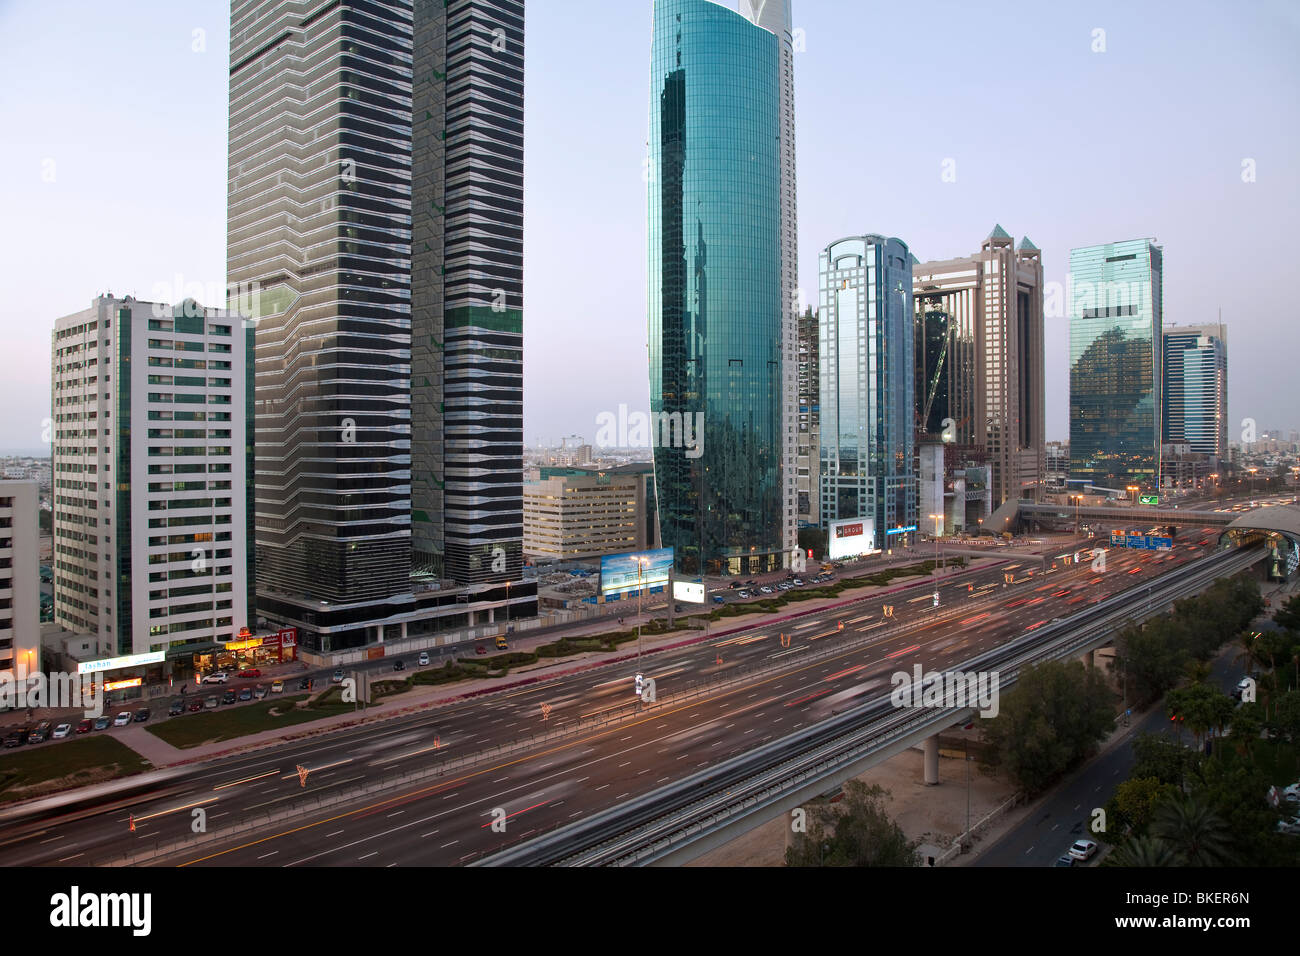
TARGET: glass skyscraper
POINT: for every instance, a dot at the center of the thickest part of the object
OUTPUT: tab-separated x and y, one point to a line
1196	388
717	311
868	387
1116	315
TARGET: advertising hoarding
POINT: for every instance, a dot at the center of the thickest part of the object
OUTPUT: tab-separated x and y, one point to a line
619	572
692	591
850	536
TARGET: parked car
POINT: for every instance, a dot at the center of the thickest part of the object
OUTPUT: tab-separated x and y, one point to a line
337	676
40	733
797	582
228	697
480	649
1083	849
103	722
501	643
259	691
62	731
177	706
277	687
245	693
766	589
17	736
1291	794
399	665
85	725
211	702
142	715
423	659
250	672
304	683
1066	860
195	705
122	719
220	677
744	594
719	599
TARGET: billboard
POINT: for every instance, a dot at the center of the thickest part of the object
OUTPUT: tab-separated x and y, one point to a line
692	591
1142	542
118	663
850	536
618	572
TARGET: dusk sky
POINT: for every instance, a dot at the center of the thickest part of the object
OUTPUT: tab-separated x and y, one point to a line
114	169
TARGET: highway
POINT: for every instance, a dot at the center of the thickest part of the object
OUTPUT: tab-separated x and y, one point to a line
449	820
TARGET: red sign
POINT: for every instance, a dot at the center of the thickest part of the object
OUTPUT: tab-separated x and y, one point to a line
848	530
288	636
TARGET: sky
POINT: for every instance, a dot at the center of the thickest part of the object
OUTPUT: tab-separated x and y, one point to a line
1071	123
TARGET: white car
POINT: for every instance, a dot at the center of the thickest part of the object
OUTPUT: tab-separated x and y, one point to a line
62	730
220	677
122	719
1290	794
424	659
1083	849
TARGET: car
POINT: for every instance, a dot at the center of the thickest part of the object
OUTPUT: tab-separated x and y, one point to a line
1083	849
501	643
277	687
220	677
423	659
734	584
719	599
228	697
103	722
304	683
122	719
1066	860
62	731
784	586
259	691
797	582
246	693
1291	794
744	594
337	676
480	649
176	707
399	665
17	737
210	702
85	725
195	705
40	733
1289	827
141	715
250	672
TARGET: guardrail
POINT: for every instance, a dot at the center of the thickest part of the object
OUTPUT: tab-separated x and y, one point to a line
658	822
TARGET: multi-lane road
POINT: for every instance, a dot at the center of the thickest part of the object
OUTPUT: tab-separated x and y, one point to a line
450	819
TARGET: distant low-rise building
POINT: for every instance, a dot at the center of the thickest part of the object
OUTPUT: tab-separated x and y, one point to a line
576	513
20	636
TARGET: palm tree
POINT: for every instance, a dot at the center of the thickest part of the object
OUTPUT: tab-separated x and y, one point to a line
1143	851
1247	641
1196	834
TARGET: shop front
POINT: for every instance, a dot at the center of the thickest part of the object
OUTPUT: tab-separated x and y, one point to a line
259	650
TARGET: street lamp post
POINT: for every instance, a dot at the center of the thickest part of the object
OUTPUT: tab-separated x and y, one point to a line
1133	490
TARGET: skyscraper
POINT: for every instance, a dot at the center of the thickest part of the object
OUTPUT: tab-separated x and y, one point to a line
1196	388
376	204
722	324
979	359
152	461
1116	317
809	434
467	259
867	388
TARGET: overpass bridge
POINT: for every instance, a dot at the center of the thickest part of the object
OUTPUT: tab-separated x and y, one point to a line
1128	515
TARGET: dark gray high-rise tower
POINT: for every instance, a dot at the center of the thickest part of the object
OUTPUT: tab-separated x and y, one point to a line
376	205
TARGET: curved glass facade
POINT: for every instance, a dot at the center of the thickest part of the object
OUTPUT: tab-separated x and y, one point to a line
715	304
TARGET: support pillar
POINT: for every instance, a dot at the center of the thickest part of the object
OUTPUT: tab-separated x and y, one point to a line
931	749
1090	659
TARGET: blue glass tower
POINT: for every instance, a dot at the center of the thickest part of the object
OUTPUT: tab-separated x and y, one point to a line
865	351
715	292
1115	364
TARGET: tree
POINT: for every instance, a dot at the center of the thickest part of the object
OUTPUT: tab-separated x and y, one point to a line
1288	615
1195	833
855	832
1286	715
1201	707
1137	798
1247	722
1152	656
1159	757
1143	851
1053	718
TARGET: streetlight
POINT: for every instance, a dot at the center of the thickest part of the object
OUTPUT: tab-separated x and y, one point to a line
1078	500
1133	490
1252	480
936	518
